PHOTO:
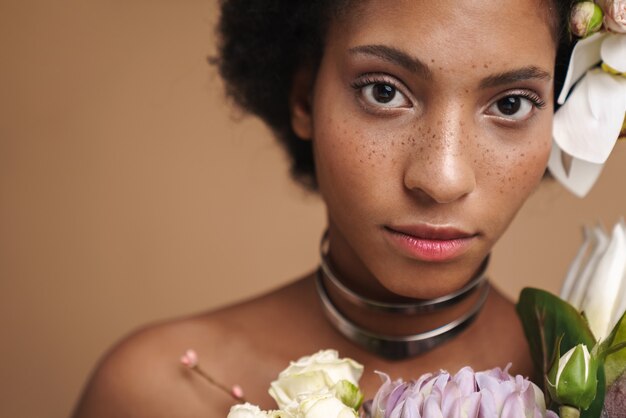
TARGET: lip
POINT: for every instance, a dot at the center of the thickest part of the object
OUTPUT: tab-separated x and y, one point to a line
429	243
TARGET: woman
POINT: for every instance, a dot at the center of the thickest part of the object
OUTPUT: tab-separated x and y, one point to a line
424	125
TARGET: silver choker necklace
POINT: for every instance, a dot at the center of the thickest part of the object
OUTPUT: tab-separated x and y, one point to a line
397	347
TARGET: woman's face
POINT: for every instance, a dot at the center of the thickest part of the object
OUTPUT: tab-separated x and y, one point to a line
431	125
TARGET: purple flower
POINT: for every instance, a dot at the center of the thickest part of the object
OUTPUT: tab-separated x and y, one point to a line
489	394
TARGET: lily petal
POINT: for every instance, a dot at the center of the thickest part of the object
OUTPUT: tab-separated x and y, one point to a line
577	264
605	284
620	303
601	242
581	176
613	52
586	54
588	124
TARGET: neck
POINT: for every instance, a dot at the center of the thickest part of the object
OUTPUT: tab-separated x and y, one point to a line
406	327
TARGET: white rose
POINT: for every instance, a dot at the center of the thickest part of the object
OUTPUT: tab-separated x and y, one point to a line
614	14
312	376
252	411
324	406
246	411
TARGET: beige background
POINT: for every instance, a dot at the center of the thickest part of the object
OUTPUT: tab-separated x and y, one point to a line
129	192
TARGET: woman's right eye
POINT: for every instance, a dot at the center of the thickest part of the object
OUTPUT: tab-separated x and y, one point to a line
384	95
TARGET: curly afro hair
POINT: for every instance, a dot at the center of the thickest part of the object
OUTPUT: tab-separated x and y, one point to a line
262	43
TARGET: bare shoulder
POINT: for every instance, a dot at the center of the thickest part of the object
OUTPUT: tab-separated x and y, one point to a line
141	376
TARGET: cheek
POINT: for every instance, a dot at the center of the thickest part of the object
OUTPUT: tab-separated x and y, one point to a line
510	173
352	162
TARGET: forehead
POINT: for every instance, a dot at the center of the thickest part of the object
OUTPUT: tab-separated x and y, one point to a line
453	33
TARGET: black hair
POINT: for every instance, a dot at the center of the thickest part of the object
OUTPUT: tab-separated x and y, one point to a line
262	43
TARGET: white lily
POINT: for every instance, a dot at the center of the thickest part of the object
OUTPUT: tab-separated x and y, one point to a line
596	281
590	119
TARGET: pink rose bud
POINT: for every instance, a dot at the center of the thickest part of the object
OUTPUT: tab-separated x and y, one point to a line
189	359
237	391
585	19
614	15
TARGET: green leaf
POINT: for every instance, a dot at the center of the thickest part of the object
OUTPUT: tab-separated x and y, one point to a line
546	318
615	363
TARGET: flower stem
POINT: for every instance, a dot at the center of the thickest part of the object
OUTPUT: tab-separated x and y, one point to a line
566	411
229	391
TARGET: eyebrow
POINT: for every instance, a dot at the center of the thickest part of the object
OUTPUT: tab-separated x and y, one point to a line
394	56
520	74
415	65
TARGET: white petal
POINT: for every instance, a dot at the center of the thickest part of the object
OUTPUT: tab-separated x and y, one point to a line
581	176
613	52
601	241
579	261
620	306
588	124
605	285
585	55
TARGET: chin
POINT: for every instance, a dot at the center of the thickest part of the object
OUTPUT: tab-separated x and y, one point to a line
431	280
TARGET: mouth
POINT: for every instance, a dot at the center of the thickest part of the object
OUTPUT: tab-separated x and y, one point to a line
429	243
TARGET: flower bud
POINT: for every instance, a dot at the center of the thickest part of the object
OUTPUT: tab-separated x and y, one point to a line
615	15
572	380
585	19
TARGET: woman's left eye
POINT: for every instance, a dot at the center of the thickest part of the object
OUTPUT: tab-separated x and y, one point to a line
515	107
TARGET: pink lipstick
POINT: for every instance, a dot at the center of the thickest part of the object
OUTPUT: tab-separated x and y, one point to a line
429	243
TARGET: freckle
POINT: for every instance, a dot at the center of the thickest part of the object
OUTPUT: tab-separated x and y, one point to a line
488	173
428	131
384	156
360	161
523	155
432	60
393	143
434	136
525	172
402	142
473	65
466	90
421	149
486	66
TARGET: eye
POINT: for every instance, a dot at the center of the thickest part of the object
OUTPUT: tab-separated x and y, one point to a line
381	93
516	107
384	95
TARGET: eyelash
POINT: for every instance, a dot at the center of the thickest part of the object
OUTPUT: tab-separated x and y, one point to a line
533	97
373	78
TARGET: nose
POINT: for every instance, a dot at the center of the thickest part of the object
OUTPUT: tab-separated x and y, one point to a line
442	168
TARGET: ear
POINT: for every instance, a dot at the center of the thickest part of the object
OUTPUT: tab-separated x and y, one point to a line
300	103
